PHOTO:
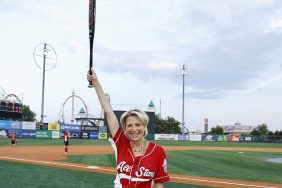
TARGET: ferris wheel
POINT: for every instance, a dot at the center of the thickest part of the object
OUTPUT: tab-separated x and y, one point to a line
71	99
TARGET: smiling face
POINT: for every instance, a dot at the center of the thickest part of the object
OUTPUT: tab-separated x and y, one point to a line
134	129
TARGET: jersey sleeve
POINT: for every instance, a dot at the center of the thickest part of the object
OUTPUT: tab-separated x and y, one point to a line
119	139
161	174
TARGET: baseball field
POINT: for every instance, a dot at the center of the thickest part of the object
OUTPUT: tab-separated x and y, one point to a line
90	163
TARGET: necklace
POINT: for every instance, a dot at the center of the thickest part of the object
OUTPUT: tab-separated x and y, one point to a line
140	149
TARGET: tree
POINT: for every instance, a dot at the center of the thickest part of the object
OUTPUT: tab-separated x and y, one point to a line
167	126
28	115
270	133
216	130
255	132
278	133
260	130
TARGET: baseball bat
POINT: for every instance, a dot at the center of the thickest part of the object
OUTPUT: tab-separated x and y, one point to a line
92	15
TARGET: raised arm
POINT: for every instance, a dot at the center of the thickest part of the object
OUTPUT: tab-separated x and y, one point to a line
105	103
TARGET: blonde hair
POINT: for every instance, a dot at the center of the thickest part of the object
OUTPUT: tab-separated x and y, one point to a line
140	114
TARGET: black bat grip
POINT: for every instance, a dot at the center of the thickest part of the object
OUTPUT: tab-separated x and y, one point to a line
90	85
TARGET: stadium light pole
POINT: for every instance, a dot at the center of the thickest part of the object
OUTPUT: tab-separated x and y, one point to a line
45	58
183	97
43	84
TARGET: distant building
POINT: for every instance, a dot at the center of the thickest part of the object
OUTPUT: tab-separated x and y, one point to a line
206	125
237	128
151	107
83	119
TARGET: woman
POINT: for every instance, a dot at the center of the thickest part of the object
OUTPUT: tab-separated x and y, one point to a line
139	162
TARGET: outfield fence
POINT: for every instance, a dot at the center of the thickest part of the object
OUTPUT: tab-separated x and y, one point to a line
23	129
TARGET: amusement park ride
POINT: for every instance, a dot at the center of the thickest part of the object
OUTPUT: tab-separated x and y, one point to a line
10	107
83	117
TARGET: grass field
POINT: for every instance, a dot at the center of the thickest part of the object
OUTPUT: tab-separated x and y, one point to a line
20	175
248	165
76	142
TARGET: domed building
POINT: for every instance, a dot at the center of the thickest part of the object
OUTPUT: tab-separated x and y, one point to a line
151	107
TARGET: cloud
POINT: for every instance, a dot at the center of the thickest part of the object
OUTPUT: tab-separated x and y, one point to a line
274	22
228	47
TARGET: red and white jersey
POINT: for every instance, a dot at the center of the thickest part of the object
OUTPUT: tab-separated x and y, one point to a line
140	171
13	137
66	137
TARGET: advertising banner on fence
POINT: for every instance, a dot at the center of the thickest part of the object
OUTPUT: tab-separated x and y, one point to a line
102	136
233	137
166	136
26	134
28	125
246	138
3	134
53	127
70	127
16	132
72	134
182	137
210	138
5	124
222	138
89	128
41	126
195	137
43	134
75	134
55	134
15	124
84	135
93	135
102	129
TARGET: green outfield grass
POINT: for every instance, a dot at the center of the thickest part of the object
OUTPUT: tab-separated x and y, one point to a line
219	144
21	175
249	166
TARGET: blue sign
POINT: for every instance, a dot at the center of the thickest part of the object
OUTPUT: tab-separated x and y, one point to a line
15	124
93	135
70	127
6	124
102	129
182	137
26	134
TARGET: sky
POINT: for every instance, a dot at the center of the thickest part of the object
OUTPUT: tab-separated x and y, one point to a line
231	51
